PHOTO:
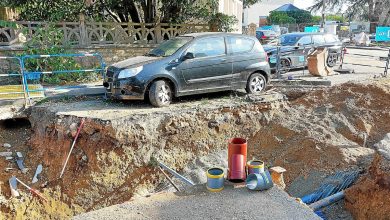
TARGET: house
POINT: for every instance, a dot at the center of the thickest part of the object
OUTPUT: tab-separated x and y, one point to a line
232	7
259	12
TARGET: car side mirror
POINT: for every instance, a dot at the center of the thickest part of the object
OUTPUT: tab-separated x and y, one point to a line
188	56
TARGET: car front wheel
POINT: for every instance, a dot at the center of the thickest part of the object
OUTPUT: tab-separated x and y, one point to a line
256	83
160	93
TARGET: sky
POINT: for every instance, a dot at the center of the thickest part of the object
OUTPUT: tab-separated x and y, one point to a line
303	4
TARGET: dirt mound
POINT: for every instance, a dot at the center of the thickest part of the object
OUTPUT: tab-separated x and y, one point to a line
325	130
370	197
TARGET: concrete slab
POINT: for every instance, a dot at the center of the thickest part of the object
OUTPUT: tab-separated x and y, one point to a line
239	203
12	109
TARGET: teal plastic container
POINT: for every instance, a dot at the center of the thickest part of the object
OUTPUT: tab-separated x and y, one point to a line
259	181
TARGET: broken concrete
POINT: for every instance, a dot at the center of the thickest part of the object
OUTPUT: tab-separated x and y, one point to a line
383	147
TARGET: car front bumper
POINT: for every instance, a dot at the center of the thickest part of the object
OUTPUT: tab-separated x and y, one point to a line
126	89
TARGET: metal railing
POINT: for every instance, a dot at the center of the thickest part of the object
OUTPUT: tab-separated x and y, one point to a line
371	57
287	58
26	75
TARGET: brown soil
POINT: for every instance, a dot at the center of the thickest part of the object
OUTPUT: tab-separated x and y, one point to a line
370	197
324	130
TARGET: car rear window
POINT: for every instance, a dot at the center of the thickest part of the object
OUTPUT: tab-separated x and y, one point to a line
240	44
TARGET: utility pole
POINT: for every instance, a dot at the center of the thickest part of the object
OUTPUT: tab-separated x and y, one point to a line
323	15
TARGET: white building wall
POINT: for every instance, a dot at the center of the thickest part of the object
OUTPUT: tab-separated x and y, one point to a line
253	13
232	7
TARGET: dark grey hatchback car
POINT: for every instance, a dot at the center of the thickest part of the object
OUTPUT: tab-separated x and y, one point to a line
190	64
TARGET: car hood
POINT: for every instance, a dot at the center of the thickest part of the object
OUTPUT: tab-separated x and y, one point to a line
135	61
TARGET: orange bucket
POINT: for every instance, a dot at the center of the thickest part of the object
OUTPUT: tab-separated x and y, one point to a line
237	146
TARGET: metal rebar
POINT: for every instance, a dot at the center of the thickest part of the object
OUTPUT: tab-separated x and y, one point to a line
189	182
169	179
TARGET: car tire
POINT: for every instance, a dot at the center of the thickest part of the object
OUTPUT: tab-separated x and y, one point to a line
160	93
331	61
256	83
285	66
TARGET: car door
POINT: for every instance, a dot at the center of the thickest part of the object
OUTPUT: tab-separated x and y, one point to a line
209	69
305	45
240	53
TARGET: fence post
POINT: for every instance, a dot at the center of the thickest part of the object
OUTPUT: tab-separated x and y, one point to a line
83	31
278	62
158	34
387	65
252	29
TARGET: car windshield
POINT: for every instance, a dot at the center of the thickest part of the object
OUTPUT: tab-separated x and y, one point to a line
169	47
288	40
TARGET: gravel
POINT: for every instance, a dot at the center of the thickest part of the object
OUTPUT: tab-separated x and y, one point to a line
231	203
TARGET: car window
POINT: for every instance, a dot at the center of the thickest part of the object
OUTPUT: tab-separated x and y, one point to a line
331	38
208	47
305	40
169	47
318	39
288	40
240	44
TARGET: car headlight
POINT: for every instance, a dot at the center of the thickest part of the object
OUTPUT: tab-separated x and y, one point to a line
126	73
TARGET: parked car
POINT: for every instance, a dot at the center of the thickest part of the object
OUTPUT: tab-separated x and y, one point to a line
265	36
294	48
190	64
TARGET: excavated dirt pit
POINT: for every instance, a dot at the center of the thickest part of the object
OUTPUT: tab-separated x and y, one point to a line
320	131
370	197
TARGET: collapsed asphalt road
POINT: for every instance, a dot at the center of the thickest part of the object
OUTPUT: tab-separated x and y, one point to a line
323	130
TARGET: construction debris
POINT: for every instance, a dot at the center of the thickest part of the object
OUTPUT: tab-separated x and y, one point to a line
154	162
37	172
7	169
13	185
383	147
277	176
20	163
5	154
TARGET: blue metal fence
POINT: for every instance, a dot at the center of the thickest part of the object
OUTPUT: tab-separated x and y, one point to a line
34	75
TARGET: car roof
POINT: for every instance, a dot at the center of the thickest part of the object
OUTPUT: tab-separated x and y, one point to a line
305	33
207	34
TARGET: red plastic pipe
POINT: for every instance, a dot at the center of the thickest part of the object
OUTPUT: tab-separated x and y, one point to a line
237	147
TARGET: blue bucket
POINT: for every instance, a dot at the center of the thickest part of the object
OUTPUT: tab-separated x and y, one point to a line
259	181
215	179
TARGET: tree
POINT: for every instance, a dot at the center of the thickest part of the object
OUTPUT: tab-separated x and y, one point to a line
148	11
290	17
248	3
375	11
276	17
48	10
339	18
